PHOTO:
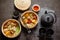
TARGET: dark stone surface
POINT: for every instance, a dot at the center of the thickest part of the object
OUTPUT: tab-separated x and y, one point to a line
7	9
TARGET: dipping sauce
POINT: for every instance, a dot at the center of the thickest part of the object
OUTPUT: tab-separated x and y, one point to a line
36	7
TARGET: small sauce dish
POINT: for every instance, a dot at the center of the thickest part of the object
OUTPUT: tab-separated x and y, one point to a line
36	7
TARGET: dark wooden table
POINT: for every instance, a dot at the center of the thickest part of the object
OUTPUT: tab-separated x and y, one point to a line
7	9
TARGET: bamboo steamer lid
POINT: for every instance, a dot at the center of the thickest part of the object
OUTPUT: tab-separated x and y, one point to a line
22	4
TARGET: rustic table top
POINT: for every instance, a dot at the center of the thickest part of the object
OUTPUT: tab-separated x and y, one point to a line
7	8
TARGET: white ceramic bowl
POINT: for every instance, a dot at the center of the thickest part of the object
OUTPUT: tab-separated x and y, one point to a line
10	36
22	4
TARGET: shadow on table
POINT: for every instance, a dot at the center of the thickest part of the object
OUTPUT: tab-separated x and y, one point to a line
5	38
20	11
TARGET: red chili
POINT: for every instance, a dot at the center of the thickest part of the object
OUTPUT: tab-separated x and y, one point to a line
36	7
29	21
34	16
